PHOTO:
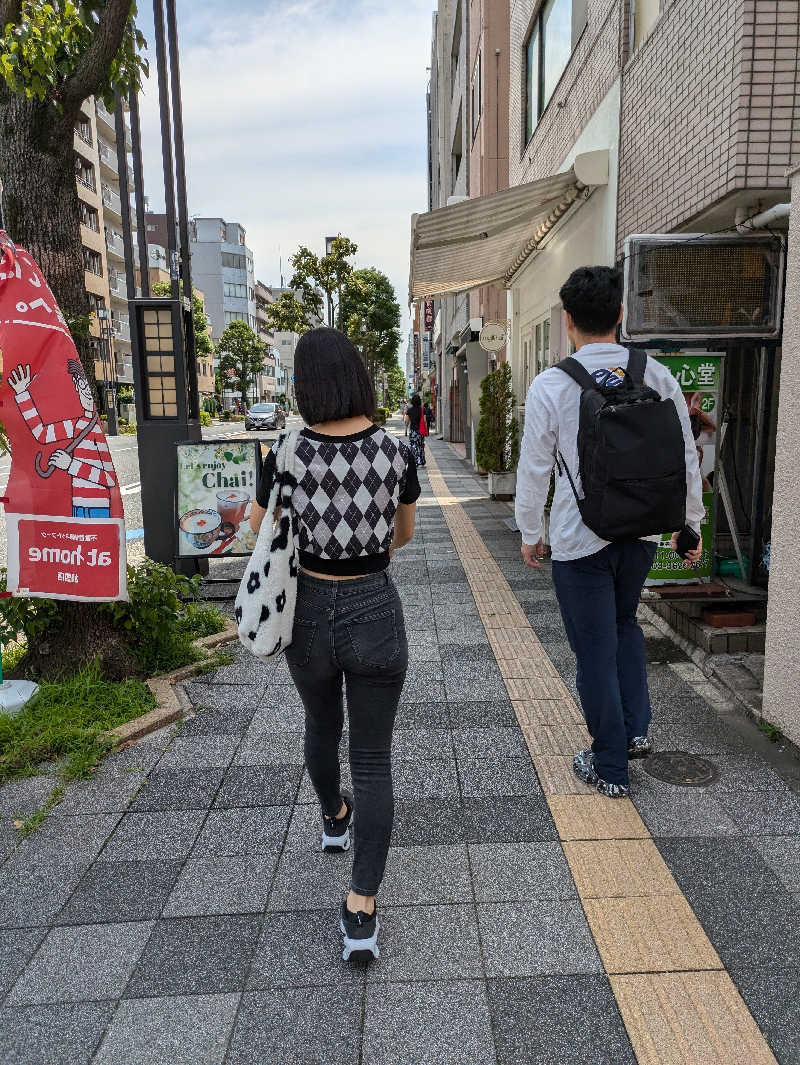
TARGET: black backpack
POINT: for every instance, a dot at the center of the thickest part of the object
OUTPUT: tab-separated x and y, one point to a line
632	455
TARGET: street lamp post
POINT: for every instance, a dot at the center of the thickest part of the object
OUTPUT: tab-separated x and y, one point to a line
109	382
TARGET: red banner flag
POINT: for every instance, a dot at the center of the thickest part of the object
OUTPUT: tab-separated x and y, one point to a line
64	515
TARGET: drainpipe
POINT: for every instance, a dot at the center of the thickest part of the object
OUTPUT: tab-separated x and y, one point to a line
745	222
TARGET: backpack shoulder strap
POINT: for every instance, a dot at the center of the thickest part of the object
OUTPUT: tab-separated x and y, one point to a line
572	368
637	364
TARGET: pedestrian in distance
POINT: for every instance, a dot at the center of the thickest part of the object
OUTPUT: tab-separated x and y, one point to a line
616	428
417	428
429	416
355	504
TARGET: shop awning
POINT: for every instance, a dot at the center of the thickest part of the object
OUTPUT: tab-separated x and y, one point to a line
486	239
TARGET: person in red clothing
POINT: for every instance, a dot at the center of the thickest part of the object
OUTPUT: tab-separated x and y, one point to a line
86	457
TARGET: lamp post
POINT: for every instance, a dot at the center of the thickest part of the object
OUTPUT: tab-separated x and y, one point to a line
109	382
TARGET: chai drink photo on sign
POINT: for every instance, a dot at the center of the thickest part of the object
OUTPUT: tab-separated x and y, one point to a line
216	487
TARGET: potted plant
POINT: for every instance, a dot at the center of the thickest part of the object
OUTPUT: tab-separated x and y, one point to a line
497	438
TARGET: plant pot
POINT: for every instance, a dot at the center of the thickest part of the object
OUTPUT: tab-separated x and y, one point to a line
503	485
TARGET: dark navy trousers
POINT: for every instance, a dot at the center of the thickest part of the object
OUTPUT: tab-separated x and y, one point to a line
598	596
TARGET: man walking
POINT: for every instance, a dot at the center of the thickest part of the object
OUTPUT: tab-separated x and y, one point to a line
598	581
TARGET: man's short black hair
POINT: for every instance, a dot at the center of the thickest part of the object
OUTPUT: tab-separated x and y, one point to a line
330	379
593	297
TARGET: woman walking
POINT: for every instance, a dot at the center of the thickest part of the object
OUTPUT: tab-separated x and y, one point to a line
414	416
355	502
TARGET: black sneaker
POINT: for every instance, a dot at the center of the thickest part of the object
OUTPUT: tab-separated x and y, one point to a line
583	765
639	747
336	830
360	931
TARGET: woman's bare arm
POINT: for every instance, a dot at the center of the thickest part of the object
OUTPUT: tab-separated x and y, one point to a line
404	524
257	515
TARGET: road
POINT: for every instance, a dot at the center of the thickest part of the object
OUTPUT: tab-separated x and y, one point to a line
126	462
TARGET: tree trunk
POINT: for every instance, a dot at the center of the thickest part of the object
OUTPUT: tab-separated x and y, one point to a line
41	212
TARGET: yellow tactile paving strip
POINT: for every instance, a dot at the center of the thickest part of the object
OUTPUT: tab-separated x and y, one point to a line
679	1005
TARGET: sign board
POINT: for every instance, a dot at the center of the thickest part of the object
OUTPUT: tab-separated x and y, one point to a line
429	317
64	516
699	374
217	483
492	336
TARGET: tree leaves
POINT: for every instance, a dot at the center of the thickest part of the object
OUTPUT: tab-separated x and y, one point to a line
241	351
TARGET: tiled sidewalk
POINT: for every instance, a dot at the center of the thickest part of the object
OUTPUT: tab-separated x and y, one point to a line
177	910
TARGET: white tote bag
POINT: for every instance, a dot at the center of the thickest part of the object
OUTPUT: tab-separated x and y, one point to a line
267	596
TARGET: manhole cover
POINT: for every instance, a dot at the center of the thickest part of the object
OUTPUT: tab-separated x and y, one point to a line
681	768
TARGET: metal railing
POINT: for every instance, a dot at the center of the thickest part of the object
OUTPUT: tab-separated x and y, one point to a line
118	286
107	155
111	200
121	326
115	243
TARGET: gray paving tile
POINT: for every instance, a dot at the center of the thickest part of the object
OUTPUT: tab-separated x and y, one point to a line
494	777
446	573
458	628
422	715
221	886
296	1026
9	838
428	943
224	720
520	872
421	744
78	836
720	869
32	892
782	854
302	948
199	752
571	1020
683	814
764	813
486	713
140	757
524	819
21	798
271	748
423	674
453	593
189	1030
425	876
120	891
419	620
482	681
425	779
165	834
274	716
196	955
537	938
420	694
773	998
225	697
307	879
66	1034
81	963
259	785
422	647
424	822
106	792
462	656
428	1024
17	947
234	832
753	932
178	789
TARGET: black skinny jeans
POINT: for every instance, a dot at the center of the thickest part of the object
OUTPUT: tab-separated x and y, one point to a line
352	632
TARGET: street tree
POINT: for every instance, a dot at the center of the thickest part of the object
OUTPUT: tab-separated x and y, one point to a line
241	357
54	54
289	314
315	275
370	315
202	338
395	386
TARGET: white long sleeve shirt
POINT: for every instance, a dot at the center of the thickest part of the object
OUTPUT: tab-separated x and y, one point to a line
551	421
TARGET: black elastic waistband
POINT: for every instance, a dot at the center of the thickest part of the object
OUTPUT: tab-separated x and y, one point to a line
345	567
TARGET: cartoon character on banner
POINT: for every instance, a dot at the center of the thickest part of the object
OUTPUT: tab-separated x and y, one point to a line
62	470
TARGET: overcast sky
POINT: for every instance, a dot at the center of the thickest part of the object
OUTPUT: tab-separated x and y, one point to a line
303	118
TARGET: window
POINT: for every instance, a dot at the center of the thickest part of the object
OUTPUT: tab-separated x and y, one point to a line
89	217
92	261
235	316
644	15
84	171
457	152
233	262
477	96
555	32
83	128
234	291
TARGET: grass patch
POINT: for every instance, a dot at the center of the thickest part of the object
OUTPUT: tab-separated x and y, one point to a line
12	654
216	661
65	722
772	732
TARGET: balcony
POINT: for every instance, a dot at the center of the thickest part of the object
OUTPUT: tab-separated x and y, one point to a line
108	157
118	287
121	327
111	201
115	245
123	367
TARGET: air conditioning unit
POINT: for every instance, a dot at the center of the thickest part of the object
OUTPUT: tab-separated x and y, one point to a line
685	286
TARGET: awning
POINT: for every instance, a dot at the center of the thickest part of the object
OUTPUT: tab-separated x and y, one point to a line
486	239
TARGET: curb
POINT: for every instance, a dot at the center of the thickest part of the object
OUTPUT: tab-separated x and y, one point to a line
172	700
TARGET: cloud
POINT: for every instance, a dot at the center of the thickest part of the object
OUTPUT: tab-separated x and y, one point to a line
302	119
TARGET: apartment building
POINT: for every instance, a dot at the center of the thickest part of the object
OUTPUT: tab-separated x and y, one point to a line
268	381
222	266
97	175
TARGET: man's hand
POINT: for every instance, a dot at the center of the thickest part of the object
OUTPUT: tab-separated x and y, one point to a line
530	555
60	459
693	556
20	379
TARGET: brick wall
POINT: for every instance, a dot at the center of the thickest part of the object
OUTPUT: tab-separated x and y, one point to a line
710	106
590	73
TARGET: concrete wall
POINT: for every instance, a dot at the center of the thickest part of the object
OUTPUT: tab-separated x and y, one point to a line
782	672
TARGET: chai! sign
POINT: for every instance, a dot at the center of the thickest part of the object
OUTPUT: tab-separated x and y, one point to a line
64	516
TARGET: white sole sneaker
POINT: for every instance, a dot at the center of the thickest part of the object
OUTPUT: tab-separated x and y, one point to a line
359	949
336	844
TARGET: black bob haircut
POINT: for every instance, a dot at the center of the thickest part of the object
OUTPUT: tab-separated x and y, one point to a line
593	297
330	380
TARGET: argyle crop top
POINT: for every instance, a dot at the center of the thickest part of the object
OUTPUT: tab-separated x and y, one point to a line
347	494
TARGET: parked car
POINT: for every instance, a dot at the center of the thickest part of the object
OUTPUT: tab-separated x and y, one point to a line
265	416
